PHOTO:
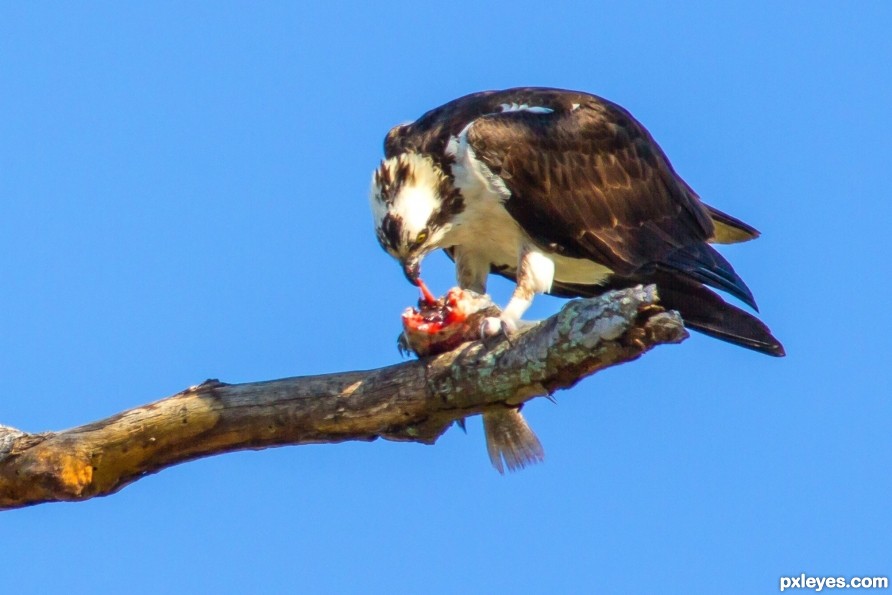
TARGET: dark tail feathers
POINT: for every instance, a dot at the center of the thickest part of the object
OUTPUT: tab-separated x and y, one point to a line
704	311
703	263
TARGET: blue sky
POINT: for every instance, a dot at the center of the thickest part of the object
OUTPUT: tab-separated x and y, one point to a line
184	195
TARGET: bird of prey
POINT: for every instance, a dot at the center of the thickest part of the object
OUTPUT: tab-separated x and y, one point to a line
564	193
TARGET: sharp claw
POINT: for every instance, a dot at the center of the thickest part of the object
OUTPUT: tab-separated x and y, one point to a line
489	328
508	326
507	331
402	345
493	327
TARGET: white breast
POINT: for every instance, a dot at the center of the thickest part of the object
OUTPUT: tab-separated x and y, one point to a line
484	226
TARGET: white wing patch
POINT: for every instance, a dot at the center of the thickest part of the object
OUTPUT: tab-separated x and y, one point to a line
472	177
524	107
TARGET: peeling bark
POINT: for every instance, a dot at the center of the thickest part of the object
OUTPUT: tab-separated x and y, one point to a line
412	401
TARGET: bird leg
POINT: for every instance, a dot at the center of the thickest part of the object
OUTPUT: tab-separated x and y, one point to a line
506	323
535	274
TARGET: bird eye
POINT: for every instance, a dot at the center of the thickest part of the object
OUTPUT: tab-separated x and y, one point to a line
419	239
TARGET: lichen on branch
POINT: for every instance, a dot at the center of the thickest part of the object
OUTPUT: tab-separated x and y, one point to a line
412	401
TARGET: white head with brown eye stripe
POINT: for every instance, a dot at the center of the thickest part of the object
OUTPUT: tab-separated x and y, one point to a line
410	197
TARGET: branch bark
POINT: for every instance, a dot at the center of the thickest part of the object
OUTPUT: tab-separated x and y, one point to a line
412	401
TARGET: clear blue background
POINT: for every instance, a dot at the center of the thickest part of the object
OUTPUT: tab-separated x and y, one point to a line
183	195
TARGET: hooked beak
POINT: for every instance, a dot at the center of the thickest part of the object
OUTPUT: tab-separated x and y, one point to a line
412	270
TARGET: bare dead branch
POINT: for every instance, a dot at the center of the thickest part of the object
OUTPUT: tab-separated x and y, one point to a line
412	401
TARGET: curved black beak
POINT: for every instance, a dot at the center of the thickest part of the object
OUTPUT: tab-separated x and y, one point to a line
412	270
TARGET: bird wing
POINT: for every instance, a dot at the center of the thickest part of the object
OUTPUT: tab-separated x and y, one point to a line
586	180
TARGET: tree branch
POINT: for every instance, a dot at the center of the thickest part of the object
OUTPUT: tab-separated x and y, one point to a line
412	401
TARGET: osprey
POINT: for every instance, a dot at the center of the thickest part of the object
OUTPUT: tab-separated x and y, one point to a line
564	193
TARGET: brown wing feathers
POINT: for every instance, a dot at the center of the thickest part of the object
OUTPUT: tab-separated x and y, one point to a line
598	174
585	190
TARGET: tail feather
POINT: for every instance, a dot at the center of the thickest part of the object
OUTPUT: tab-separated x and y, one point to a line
703	263
510	439
701	309
704	311
728	229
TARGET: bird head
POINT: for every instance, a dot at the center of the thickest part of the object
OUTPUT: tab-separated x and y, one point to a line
413	204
